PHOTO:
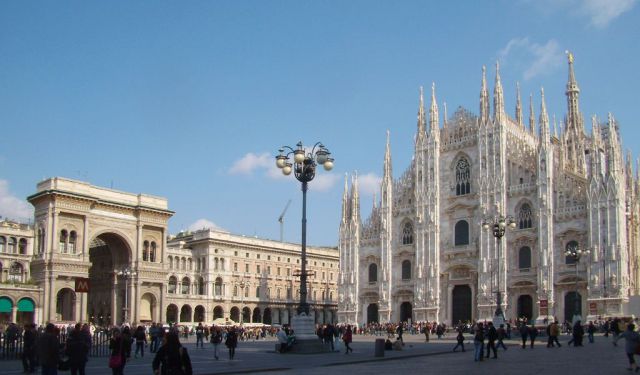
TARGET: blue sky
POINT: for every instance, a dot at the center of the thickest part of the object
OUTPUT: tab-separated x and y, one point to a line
191	101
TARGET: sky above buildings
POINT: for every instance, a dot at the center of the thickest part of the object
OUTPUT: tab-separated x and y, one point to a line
191	101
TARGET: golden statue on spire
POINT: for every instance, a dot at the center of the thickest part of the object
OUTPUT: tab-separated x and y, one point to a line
570	56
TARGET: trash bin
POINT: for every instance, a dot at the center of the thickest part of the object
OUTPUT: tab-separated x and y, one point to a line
379	352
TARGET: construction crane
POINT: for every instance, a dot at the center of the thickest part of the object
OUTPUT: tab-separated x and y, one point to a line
281	220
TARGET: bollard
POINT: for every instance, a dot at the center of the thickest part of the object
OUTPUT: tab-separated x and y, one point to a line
379	351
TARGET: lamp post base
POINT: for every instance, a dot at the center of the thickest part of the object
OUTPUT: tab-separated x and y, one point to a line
307	340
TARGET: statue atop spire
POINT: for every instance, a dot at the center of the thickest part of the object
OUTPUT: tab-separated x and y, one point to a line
544	117
421	115
484	97
498	98
518	106
387	159
434	122
532	116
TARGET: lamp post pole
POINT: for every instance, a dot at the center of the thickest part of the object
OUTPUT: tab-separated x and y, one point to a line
498	225
304	168
576	253
126	273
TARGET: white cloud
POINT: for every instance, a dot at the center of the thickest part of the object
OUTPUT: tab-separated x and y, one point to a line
601	12
250	162
369	183
323	181
12	207
203	224
535	59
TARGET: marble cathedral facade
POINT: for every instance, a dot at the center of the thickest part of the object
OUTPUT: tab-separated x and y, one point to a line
422	253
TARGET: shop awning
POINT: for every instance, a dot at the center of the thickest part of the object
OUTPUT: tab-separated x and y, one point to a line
26	305
5	305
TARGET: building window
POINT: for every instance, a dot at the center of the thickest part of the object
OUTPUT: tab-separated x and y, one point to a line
463	177
173	283
524	258
16	273
568	259
278	270
288	293
461	233
186	286
3	242
373	273
407	234
152	252
257	268
288	271
145	251
200	286
12	245
257	292
406	270
62	245
246	267
73	238
235	290
235	266
218	287
525	216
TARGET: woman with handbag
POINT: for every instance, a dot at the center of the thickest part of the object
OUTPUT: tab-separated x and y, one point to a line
118	348
632	345
172	358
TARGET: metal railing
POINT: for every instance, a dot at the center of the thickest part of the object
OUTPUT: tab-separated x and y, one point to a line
12	345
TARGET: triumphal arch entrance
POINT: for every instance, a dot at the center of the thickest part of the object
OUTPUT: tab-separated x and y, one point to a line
116	240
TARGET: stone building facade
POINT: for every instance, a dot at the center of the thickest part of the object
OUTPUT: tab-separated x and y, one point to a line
423	254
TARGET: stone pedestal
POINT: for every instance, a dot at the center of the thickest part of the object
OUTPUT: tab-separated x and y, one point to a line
307	341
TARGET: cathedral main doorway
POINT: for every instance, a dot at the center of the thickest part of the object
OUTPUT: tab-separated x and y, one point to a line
108	254
525	307
570	305
460	304
406	312
372	313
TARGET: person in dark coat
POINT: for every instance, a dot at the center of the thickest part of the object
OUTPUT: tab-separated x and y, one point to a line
29	348
577	332
48	348
524	334
127	340
172	357
478	342
141	341
77	350
533	333
232	342
460	340
492	335
119	347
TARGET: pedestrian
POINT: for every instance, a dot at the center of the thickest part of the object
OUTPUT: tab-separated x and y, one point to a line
48	348
200	335
492	335
283	340
524	333
591	329
460	339
153	332
426	330
77	349
501	336
141	341
172	358
232	342
554	332
347	338
127	339
478	342
29	348
119	348
576	334
632	345
533	333
399	331
216	339
328	334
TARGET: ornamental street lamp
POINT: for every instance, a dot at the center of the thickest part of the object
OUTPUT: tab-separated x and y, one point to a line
242	285
304	168
126	273
498	225
576	253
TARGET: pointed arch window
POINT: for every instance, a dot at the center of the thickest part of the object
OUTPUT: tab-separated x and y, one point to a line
463	177
407	234
524	258
406	270
461	233
525	216
373	273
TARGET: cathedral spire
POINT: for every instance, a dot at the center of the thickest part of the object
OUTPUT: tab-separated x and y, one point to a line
532	116
421	115
444	119
355	198
574	122
387	160
434	122
498	98
518	106
484	97
544	117
345	200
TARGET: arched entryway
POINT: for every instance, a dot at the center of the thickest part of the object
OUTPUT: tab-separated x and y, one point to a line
372	313
6	309
147	307
198	314
65	305
235	314
406	312
185	313
257	316
26	309
525	307
246	315
109	255
572	305
218	312
172	313
461	304
267	316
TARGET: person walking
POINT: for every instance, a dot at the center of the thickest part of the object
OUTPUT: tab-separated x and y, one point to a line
119	347
501	336
554	332
172	358
460	340
492	335
232	342
632	344
48	348
576	334
591	329
200	335
478	343
524	334
154	332
29	348
400	331
347	337
216	339
533	333
141	341
77	349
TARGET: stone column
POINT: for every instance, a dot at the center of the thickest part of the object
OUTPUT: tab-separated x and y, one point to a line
114	301
85	240
14	313
448	308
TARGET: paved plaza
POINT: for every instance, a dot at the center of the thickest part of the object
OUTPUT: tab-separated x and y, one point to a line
417	357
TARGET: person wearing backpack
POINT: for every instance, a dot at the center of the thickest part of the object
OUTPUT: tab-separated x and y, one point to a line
216	339
232	342
172	358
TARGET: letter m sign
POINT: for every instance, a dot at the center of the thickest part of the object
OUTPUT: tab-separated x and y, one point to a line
82	285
